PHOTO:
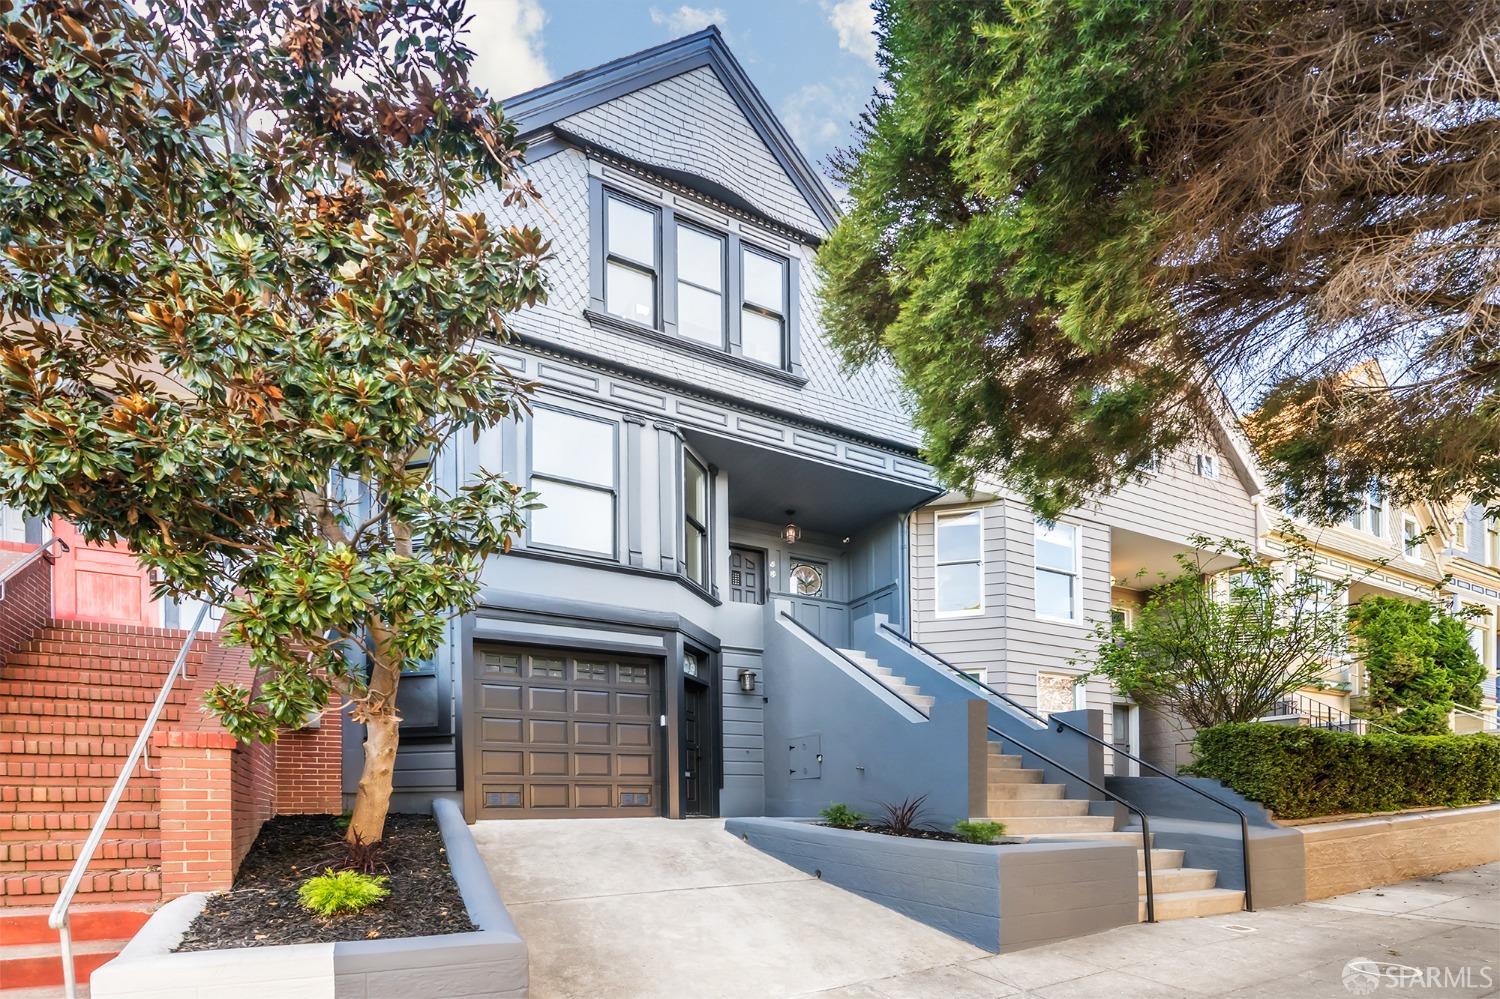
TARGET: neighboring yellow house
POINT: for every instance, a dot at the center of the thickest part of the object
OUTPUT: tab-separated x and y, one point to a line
1472	562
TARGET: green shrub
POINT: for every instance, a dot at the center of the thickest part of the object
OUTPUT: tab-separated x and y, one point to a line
978	832
1300	772
330	893
841	816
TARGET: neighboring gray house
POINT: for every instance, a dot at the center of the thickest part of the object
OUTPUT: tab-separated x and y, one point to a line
689	411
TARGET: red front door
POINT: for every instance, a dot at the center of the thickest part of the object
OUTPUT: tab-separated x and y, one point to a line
100	583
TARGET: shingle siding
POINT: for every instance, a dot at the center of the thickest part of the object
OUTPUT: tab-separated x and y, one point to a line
691	123
867	401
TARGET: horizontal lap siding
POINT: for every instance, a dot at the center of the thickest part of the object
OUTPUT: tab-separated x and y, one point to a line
1176	502
966	642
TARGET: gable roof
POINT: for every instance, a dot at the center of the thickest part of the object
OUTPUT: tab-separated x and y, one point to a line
536	110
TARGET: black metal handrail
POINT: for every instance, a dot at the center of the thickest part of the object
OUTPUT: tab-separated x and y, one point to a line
1112	796
1244	819
1318	713
968	676
1145	823
840	653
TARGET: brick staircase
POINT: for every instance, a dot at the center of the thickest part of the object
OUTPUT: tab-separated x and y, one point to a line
72	701
1034	810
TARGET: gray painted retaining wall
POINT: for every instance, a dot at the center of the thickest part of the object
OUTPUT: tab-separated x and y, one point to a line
999	898
488	964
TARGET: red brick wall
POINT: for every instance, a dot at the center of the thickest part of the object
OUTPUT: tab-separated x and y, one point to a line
195	772
26	606
308	767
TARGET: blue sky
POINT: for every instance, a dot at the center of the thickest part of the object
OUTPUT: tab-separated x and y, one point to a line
813	60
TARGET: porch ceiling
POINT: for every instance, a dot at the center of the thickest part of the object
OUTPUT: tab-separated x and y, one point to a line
765	483
1132	553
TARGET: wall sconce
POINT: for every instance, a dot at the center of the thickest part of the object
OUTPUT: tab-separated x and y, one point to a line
791	533
747	681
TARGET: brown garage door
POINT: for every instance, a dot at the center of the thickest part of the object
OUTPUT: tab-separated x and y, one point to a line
566	734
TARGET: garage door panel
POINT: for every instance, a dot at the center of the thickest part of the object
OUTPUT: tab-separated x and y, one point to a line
548	699
563	734
633	735
548	731
499	697
591	765
633	705
591	702
502	763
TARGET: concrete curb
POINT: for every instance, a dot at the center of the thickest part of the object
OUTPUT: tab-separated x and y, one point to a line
490	963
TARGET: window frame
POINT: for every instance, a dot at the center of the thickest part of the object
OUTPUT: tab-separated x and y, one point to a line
613	490
1368	516
737	238
938	562
1492	543
656	273
1077	574
783	318
1206	465
684	222
1411	544
706	553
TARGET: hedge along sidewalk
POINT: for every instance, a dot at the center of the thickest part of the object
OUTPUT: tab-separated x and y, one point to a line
1300	772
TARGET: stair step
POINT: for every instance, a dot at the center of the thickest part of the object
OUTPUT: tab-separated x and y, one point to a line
1189	904
13	749
1177	879
70	709
1092	837
29	889
1003	761
1039	806
1030	825
1024	792
997	775
1161	860
51	726
86	922
89	676
21	690
52	798
65	824
29	966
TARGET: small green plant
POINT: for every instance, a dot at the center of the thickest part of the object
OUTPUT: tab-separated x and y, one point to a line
841	816
333	893
978	832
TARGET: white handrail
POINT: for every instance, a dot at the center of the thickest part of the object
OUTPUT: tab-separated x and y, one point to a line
58	920
15	567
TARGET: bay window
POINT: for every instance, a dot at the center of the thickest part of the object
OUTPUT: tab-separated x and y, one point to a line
1057	571
960	563
573	469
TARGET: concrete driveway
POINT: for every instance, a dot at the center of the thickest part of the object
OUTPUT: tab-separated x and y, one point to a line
650	907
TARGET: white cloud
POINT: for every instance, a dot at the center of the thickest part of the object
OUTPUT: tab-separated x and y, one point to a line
806	114
854	21
506	36
685	20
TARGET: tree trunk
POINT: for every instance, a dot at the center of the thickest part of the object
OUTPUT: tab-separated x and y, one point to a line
382	736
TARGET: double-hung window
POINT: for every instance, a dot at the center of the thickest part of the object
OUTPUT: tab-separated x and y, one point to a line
960	563
632	261
700	285
764	310
573	469
1411	537
695	519
1369	513
1057	571
1206	465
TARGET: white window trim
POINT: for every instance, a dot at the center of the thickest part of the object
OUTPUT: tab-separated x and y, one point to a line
938	563
1206	465
1077	619
1414	554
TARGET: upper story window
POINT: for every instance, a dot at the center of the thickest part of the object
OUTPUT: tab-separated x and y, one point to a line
1411	537
695	519
1369	513
632	266
1057	571
574	469
1206	465
960	563
663	274
1492	548
1461	535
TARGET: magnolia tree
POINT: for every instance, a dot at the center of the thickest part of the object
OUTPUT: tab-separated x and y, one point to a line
242	306
1227	647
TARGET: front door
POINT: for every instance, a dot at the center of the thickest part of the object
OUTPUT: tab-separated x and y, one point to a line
1122	735
747	576
696	760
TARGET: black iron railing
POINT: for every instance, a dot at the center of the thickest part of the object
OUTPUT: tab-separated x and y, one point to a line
1063	726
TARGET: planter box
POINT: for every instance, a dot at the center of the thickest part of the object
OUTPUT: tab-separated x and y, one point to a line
1001	898
487	964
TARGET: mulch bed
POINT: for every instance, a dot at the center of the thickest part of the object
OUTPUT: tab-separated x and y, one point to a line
938	834
262	909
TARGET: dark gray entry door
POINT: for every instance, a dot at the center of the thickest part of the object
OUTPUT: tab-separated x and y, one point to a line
747	576
564	734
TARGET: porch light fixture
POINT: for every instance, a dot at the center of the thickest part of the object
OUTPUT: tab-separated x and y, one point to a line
747	680
791	533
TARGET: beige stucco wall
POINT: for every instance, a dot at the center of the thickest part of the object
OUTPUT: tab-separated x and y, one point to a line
1363	853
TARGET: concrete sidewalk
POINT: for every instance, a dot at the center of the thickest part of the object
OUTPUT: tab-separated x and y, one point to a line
651	907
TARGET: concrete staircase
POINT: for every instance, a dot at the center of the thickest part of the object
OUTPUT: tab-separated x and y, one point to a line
898	685
1031	809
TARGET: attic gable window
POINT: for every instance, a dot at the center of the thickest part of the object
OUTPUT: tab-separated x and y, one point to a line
707	284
